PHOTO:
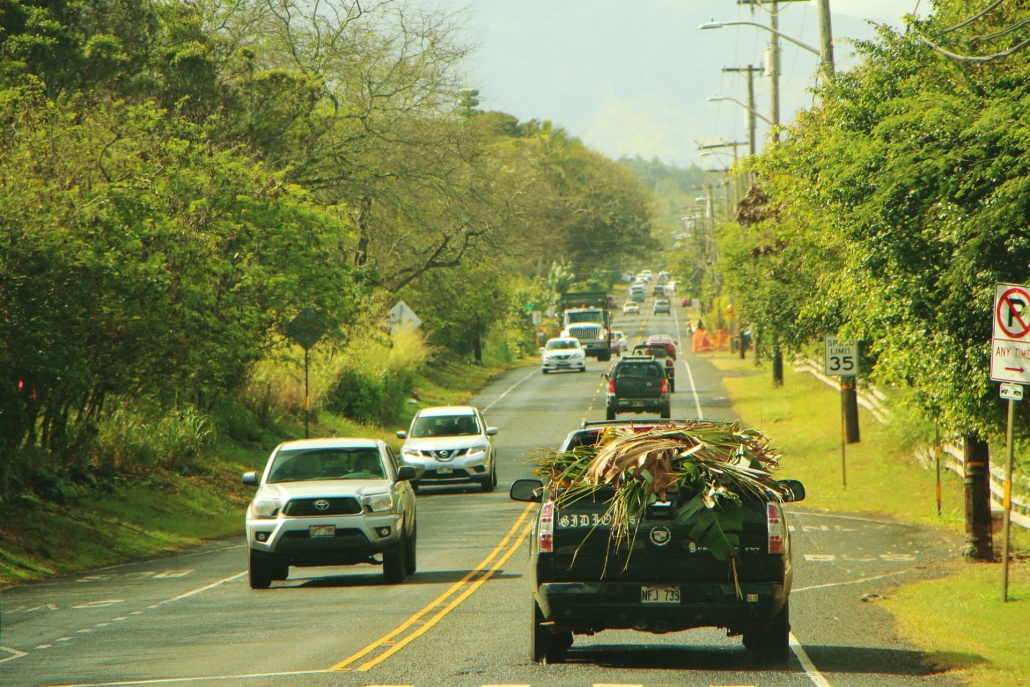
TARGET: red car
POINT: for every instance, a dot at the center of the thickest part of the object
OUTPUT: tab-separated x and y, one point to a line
664	340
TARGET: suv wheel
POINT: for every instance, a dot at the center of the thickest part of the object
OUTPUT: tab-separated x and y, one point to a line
260	572
666	412
410	554
394	561
487	483
610	413
672	385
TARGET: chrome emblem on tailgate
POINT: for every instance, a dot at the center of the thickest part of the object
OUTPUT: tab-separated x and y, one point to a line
660	536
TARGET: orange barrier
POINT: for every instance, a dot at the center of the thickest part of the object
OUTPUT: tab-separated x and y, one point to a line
704	342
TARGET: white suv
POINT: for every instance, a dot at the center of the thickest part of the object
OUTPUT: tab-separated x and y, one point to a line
333	501
449	444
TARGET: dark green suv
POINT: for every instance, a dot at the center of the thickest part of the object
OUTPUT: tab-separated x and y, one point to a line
637	384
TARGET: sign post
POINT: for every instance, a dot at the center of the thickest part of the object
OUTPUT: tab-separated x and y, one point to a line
306	329
840	359
1010	364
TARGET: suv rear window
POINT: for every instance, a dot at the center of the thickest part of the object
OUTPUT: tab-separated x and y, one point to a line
638	371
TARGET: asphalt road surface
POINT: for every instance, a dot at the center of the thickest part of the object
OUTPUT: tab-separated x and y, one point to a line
464	618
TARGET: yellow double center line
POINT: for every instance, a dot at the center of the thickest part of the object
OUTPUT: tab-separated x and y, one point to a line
412	628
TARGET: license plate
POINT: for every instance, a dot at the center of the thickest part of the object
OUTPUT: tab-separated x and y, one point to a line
322	531
659	595
445	470
638	404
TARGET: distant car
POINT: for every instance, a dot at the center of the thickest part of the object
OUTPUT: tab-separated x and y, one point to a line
449	444
619	343
323	502
661	354
686	301
630	308
563	353
662	306
665	340
637	384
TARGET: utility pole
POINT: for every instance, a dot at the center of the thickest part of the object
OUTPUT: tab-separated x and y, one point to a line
750	71
826	39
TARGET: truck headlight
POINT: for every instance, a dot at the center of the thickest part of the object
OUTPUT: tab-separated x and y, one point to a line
265	509
379	503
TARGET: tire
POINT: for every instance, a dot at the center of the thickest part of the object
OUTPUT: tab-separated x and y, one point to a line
487	483
605	357
411	555
666	412
672	386
544	370
772	644
394	561
259	571
280	569
494	472
610	413
544	645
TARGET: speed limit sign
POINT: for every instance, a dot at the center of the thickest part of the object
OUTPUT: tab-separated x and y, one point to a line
841	357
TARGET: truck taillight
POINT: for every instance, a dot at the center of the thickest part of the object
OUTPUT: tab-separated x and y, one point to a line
611	386
774	522
665	385
545	528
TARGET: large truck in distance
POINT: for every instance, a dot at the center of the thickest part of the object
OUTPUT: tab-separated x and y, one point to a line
586	316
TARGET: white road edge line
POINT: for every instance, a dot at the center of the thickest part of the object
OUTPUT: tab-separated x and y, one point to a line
203	589
510	389
810	670
841	584
198	678
690	373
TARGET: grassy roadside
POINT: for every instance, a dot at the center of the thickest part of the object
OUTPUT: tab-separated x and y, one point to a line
803	419
165	511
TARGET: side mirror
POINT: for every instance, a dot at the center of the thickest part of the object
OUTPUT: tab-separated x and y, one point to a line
794	490
527	490
405	473
250	479
402	435
491	431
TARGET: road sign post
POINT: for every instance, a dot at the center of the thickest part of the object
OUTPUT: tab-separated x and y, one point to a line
1010	365
840	359
306	329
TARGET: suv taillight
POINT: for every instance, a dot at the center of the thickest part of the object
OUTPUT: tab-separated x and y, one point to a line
545	528
774	521
611	386
665	385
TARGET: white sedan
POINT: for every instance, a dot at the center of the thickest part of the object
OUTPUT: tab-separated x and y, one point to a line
563	353
630	308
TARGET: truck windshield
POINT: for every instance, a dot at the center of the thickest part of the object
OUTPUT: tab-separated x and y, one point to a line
594	316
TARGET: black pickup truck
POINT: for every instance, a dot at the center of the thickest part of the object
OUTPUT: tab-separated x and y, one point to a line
663	581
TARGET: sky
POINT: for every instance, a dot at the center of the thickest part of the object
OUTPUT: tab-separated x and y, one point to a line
632	77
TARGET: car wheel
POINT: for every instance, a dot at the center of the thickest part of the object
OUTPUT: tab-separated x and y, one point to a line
494	472
666	412
394	564
772	643
545	645
260	572
280	569
672	386
544	370
610	413
411	555
487	483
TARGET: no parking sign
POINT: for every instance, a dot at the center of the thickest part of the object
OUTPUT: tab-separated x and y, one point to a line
1010	348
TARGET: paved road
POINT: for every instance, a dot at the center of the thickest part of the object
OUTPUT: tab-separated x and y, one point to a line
463	619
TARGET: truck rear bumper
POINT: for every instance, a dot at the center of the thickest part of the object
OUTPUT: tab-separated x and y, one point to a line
596	606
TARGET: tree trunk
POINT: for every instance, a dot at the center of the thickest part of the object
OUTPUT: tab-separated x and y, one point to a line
976	459
849	404
777	367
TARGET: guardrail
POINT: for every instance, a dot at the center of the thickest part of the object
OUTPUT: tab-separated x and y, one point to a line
873	400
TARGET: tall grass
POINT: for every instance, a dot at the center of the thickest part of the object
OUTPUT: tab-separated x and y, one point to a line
368	380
